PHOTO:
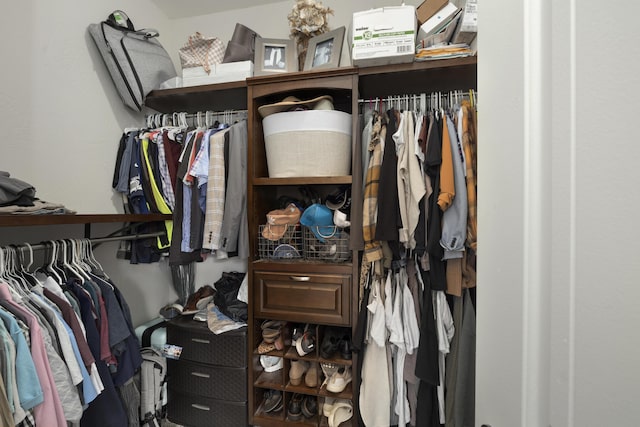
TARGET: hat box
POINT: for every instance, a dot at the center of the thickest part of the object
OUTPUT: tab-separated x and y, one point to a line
308	143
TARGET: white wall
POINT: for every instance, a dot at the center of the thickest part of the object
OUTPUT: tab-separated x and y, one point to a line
557	297
269	21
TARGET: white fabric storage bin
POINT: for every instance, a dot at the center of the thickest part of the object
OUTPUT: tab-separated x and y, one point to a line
308	143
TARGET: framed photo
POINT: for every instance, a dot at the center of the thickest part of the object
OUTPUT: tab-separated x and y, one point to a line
324	50
275	56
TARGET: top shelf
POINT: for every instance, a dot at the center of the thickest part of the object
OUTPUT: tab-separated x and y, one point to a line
437	75
30	220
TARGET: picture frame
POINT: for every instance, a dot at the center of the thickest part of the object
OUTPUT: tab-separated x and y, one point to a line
324	51
274	56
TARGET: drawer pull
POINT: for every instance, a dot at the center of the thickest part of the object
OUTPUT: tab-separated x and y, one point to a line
200	374
201	407
201	341
300	278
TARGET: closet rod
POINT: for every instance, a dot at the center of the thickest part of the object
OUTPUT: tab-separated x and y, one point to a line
444	94
163	119
41	246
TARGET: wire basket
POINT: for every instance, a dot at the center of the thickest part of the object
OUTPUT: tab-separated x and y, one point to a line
335	247
288	247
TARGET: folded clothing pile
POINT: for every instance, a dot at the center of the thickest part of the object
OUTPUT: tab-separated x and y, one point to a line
19	197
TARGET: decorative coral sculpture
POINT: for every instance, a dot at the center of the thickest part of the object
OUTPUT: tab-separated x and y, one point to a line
308	18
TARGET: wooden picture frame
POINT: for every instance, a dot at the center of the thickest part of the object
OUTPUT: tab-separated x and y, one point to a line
324	50
275	56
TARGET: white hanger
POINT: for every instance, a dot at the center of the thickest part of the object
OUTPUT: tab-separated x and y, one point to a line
92	257
75	261
49	268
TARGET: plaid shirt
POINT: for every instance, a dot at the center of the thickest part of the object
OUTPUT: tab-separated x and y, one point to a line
215	192
372	247
165	178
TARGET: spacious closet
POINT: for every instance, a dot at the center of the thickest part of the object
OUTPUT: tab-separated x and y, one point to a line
556	184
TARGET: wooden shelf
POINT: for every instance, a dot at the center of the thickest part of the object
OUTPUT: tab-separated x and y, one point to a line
377	81
329	180
29	220
417	77
216	97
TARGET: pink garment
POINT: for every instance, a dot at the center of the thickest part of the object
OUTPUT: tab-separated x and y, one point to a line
49	412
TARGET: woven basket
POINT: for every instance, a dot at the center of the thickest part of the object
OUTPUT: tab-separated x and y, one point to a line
308	143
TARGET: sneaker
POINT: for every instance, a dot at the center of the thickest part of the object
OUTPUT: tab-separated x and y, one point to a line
329	344
342	411
338	381
272	401
328	369
309	406
345	347
327	406
295	407
307	343
271	363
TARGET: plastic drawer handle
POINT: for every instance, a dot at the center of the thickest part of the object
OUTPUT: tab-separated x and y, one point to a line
201	341
300	278
200	374
201	407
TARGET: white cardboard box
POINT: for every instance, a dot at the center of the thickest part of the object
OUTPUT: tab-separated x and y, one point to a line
220	73
468	27
383	36
437	21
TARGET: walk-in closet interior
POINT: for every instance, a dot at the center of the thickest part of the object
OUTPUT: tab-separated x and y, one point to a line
429	242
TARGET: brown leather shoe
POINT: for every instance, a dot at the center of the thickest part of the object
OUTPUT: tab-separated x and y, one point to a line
204	292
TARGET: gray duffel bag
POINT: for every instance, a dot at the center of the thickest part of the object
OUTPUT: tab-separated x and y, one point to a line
135	59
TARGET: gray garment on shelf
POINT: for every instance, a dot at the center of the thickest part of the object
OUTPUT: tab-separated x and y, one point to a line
14	190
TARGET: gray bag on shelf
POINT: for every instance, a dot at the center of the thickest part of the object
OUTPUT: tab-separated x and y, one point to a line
136	60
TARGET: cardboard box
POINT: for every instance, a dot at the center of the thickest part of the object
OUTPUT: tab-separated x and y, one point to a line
438	21
220	73
442	37
428	8
468	27
383	36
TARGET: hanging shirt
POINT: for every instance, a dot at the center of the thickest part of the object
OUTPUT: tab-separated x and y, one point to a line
373	247
411	187
30	392
454	219
215	192
50	411
165	177
235	205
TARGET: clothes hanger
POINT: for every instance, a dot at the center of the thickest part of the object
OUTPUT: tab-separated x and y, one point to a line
74	261
13	288
93	259
24	269
15	283
54	265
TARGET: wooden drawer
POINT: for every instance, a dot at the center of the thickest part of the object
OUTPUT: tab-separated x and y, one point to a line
199	344
303	297
198	411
